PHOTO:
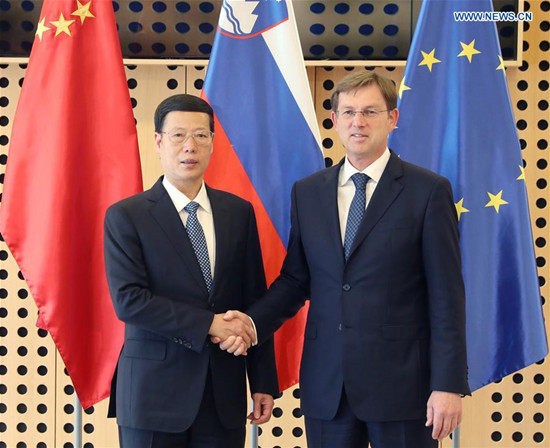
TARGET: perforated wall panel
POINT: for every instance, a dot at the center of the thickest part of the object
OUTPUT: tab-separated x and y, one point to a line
36	396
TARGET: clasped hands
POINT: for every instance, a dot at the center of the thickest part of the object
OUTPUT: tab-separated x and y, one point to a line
233	331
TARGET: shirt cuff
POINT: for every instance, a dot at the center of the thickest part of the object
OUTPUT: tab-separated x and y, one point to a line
255	341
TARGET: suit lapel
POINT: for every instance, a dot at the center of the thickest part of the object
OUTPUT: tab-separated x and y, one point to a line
167	217
386	192
328	200
222	229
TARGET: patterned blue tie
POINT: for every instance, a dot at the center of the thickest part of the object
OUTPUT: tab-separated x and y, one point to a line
356	210
198	241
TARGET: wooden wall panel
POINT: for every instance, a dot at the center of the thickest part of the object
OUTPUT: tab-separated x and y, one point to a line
36	399
27	355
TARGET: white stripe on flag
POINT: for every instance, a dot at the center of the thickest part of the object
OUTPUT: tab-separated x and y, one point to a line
284	44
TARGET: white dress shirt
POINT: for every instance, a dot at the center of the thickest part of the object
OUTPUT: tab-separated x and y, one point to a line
204	215
346	187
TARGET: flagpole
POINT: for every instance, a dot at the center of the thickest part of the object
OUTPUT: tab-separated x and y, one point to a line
253	436
253	432
456	437
77	423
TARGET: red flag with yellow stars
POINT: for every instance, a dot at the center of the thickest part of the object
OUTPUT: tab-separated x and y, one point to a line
73	152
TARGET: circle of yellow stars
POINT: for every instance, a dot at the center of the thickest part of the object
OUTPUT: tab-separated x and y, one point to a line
429	60
495	200
62	24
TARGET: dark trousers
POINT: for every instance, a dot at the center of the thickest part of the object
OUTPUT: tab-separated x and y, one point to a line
206	431
346	430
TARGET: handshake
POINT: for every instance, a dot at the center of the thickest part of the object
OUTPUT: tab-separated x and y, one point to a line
234	331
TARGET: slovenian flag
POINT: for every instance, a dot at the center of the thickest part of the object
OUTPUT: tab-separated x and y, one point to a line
267	135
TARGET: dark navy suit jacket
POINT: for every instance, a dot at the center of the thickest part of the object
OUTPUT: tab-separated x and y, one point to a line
159	292
388	324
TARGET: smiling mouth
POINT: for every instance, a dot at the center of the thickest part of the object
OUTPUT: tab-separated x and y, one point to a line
189	162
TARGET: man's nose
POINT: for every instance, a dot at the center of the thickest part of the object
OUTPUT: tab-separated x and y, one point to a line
190	145
359	118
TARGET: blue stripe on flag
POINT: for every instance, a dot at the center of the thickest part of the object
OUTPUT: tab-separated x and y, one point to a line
263	122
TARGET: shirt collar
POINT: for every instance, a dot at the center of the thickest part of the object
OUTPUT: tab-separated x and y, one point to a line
180	200
374	170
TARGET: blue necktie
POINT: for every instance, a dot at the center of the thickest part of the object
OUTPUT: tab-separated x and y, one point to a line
356	210
198	241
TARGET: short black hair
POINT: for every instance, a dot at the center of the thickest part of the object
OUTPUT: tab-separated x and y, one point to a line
184	103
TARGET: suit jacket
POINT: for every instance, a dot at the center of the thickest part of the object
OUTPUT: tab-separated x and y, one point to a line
159	292
388	324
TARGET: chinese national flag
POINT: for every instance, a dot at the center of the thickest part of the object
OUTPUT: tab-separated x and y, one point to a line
73	152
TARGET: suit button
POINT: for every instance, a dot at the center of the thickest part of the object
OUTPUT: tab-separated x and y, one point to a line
339	327
346	287
188	345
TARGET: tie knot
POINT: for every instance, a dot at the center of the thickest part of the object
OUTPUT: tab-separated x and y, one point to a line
192	207
360	180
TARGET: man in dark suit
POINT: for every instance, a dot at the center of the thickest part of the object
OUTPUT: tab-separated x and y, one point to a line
177	257
374	245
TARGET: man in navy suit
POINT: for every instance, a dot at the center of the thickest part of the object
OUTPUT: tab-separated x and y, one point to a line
178	256
374	244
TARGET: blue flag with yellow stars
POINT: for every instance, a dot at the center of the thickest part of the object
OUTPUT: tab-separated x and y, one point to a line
456	119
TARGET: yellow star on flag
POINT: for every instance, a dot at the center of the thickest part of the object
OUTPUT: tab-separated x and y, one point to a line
403	87
429	59
496	200
83	11
41	28
62	25
460	208
522	175
501	65
468	50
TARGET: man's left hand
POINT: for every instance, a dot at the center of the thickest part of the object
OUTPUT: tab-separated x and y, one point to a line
263	405
444	412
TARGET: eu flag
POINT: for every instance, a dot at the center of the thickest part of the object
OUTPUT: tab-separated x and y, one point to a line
456	120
